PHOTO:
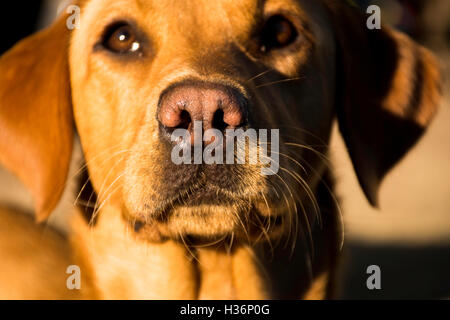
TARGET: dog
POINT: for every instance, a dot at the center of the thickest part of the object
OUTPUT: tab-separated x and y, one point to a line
135	71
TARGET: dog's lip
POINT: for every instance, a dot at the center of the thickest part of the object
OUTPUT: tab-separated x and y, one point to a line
194	196
185	205
214	196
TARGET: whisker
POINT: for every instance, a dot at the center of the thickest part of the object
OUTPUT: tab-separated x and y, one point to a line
86	204
100	192
307	132
309	193
188	249
259	75
305	215
293	222
94	215
318	153
277	82
85	165
209	244
330	191
230	244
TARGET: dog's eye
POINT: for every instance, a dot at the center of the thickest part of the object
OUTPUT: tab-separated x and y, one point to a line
121	39
278	32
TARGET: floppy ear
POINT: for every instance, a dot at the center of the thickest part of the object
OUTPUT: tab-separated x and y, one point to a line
388	92
36	126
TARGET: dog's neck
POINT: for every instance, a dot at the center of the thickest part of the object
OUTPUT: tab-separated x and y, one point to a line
116	264
124	267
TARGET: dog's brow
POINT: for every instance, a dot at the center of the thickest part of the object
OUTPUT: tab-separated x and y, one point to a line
139	4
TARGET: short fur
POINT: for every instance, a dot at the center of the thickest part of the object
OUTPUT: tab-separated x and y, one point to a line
381	87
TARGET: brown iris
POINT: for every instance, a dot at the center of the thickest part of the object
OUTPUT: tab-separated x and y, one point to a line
122	39
278	33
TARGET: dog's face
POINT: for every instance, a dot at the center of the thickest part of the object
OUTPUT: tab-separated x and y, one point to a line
265	62
140	70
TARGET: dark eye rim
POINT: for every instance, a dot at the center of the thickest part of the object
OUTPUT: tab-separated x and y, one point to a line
296	41
111	31
111	28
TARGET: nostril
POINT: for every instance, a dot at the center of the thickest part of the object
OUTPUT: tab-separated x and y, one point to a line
185	120
218	120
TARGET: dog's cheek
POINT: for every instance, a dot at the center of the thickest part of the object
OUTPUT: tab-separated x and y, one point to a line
108	118
144	180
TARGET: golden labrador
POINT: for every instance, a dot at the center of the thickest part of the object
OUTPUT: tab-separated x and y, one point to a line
135	71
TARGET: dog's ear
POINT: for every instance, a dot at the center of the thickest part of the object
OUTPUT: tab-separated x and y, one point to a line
388	91
36	123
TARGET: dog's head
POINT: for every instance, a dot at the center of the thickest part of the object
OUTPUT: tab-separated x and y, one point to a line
136	72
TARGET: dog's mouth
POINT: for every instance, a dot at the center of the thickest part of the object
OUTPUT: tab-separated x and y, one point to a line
205	213
194	196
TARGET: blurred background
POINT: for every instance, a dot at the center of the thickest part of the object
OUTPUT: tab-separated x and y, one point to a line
409	236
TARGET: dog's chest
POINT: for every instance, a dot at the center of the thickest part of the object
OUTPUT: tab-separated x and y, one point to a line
229	275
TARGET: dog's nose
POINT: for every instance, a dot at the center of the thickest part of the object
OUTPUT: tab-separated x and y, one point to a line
215	106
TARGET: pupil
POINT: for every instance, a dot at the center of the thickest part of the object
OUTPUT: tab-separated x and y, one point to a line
123	35
283	32
277	33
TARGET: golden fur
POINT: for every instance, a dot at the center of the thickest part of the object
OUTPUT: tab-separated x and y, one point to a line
380	85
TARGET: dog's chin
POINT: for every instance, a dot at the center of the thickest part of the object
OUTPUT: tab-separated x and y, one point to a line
206	223
202	221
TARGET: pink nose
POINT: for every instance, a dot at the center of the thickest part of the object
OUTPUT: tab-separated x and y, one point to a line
215	106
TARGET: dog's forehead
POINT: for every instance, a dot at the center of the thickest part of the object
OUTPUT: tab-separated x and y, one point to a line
190	29
171	7
234	15
194	24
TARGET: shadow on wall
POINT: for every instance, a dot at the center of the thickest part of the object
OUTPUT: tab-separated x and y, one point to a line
407	272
